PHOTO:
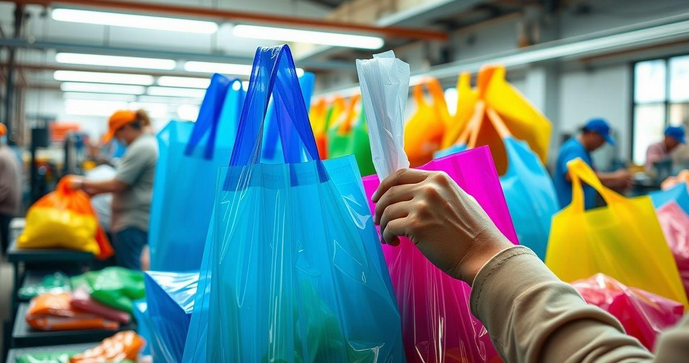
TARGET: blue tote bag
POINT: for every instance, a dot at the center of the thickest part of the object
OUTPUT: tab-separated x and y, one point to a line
293	270
184	184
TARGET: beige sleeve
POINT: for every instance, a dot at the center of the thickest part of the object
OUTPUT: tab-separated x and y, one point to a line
532	316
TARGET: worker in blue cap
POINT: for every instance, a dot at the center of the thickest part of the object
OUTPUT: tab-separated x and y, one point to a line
593	135
674	137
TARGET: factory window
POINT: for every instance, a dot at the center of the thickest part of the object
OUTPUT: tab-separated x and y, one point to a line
661	98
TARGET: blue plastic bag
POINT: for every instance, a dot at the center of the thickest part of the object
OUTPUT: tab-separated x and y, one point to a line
293	270
170	298
678	194
143	328
184	185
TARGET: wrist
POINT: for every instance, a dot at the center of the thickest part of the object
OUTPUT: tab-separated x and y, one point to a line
485	246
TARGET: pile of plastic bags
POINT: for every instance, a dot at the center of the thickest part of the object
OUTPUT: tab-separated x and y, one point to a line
121	347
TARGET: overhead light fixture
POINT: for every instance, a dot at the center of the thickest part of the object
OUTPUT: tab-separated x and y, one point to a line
176	92
101	88
115	61
224	68
308	36
169	81
169	100
93	107
134	21
99	77
98	96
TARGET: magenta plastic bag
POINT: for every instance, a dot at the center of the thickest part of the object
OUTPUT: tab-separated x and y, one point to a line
675	224
642	314
437	325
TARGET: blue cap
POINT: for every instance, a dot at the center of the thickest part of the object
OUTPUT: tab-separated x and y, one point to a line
676	133
600	126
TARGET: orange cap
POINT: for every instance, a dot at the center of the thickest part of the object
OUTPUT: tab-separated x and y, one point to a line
117	121
3	129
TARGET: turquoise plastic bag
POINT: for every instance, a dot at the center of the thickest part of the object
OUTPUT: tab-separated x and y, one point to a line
677	194
293	270
184	185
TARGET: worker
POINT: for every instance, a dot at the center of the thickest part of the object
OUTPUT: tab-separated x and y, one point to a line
132	186
593	135
530	315
10	188
674	137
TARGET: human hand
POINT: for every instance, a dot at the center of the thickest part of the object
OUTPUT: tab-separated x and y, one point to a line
623	179
74	182
445	223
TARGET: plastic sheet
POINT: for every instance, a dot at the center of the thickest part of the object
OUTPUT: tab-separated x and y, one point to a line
293	269
677	193
170	297
123	346
65	219
437	324
54	312
116	287
142	324
622	240
642	314
189	157
675	224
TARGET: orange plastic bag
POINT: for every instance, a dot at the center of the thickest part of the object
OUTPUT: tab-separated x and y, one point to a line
65	219
317	117
119	347
423	134
54	312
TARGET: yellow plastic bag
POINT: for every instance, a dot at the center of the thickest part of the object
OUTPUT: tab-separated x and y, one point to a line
622	240
64	219
467	99
424	131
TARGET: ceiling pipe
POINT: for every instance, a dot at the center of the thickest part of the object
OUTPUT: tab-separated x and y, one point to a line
233	15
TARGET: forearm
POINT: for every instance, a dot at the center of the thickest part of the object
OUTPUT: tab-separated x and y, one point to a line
532	316
103	186
610	180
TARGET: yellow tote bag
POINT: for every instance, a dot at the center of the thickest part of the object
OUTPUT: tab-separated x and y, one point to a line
622	240
423	133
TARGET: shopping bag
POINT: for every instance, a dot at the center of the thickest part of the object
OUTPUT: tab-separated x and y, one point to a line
528	187
82	301
123	346
643	315
677	193
183	188
296	270
348	136
317	118
436	319
53	312
55	283
675	225
65	219
47	357
170	297
622	240
424	131
143	328
466	103
116	287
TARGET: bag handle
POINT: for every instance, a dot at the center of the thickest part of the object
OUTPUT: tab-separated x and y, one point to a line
209	114
470	132
274	74
349	114
580	171
432	85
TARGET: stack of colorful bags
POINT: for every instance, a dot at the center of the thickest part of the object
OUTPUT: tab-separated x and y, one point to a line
121	347
94	300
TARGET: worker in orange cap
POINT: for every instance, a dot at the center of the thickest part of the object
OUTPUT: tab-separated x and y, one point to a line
10	188
132	186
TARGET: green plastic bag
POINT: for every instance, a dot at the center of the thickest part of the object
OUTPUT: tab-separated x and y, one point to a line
349	136
54	283
116	287
47	357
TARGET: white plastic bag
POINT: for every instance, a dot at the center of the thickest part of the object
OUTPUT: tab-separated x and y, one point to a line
384	82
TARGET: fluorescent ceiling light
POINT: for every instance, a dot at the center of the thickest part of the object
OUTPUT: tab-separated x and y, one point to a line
169	81
176	92
101	88
134	21
224	68
308	36
98	97
99	77
115	61
169	100
92	107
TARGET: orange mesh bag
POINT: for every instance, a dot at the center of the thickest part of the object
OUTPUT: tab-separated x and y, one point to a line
65	219
54	312
119	347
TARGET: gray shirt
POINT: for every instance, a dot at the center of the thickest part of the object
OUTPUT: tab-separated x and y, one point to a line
10	182
131	207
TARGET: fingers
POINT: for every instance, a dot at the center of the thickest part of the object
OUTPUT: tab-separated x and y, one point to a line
396	194
402	176
395	211
393	230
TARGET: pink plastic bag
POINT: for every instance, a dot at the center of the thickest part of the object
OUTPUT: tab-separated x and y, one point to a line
642	314
81	300
675	224
437	325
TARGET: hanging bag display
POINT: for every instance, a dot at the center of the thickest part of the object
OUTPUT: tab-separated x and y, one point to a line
349	136
293	270
424	131
184	184
622	240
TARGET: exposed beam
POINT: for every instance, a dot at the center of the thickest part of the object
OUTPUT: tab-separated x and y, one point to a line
233	15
